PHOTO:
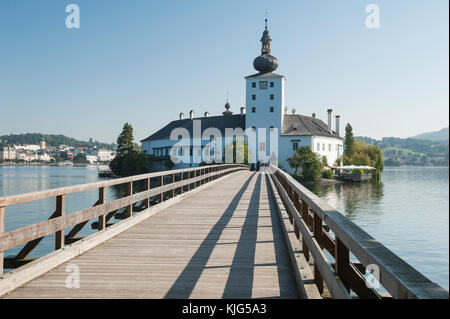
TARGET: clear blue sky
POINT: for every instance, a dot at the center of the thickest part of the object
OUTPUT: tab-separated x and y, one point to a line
146	61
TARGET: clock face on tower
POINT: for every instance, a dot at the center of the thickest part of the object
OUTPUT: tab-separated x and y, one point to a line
263	85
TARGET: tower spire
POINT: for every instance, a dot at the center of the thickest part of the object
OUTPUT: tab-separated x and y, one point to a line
265	63
265	40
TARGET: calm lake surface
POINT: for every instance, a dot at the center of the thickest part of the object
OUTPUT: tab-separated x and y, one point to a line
408	212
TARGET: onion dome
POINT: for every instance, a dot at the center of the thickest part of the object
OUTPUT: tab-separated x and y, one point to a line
227	107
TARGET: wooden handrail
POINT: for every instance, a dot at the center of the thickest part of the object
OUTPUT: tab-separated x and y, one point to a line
315	218
28	197
58	221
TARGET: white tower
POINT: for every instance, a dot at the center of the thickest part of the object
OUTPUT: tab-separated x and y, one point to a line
265	94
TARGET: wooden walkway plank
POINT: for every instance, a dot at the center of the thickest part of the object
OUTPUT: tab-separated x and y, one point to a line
223	242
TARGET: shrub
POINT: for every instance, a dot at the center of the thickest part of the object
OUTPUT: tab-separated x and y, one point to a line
328	174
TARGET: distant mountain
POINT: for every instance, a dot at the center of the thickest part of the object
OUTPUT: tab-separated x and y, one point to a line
51	140
441	135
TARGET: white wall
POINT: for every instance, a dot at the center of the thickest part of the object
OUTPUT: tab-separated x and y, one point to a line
263	118
337	147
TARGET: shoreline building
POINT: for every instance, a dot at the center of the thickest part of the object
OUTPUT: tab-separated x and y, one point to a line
264	113
7	153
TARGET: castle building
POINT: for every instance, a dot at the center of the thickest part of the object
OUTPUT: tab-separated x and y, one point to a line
264	113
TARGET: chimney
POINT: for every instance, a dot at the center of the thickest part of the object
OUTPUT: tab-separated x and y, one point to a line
285	109
181	115
206	114
191	114
329	119
337	124
293	110
242	110
314	115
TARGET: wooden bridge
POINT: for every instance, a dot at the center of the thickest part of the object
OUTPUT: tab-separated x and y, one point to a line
209	232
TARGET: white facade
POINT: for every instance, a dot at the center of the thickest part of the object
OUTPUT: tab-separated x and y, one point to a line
7	153
264	101
44	157
28	147
25	156
92	159
104	155
332	148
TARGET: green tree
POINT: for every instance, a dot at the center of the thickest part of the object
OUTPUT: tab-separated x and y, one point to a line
367	155
125	144
64	156
129	159
309	162
349	142
296	161
80	158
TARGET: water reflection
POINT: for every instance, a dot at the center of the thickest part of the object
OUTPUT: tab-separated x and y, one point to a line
407	212
350	197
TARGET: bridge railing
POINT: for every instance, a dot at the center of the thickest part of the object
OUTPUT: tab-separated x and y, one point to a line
351	251
168	185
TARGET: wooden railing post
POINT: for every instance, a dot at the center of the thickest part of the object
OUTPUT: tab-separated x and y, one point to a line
181	179
60	211
146	188
161	182
305	216
129	209
195	176
298	207
342	257
101	200
173	189
188	176
2	229
318	235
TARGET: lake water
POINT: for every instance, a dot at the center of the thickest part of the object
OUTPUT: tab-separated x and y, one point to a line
408	212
